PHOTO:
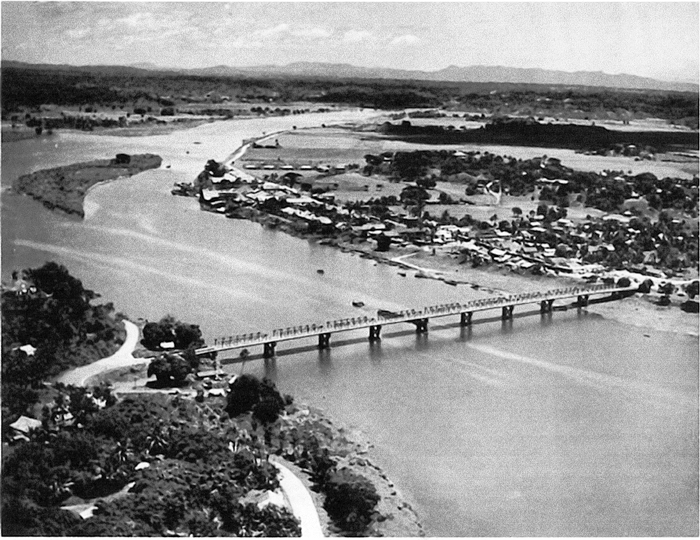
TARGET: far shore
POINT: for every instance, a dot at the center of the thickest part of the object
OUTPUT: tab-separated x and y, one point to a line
640	310
146	129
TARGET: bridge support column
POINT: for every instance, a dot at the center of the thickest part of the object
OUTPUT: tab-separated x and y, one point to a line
507	313
269	349
466	318
421	325
546	306
582	300
374	332
324	341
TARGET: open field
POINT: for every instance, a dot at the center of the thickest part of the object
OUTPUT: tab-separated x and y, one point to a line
332	146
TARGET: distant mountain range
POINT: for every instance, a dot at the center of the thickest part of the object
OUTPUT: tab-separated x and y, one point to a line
496	74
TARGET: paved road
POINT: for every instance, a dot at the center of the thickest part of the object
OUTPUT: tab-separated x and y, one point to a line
296	493
121	358
301	502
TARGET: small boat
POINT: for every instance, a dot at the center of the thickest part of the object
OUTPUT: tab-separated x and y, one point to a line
357	303
320	271
402	274
386	313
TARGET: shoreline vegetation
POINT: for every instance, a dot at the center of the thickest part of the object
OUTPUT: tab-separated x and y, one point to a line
643	311
64	188
146	128
99	461
658	308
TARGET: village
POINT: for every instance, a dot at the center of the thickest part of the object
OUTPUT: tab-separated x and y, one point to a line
392	220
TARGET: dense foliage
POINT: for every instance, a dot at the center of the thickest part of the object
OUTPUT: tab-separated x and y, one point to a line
529	132
172	369
249	394
169	330
139	89
50	310
350	500
200	466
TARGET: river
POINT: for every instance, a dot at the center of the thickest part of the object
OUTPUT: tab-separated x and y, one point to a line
561	425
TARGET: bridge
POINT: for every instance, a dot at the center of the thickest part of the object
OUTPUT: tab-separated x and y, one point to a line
417	317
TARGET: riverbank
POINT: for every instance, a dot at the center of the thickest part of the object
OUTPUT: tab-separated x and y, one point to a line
466	433
394	515
641	310
65	188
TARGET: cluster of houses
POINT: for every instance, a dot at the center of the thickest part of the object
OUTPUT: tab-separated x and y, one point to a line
323	169
534	244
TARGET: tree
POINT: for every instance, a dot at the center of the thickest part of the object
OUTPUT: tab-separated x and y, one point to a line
187	335
216	169
383	242
410	165
350	500
426	183
248	393
153	335
170	369
413	196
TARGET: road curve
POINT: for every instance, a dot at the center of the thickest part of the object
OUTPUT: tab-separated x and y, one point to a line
121	358
301	502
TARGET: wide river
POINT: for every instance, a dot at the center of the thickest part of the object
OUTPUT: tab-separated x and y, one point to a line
566	425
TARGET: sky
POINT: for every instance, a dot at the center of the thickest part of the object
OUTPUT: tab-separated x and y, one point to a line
658	40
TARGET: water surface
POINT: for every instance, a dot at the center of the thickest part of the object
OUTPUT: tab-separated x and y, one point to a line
559	425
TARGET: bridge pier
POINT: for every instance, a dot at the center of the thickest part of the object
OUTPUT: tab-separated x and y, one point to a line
374	332
507	313
269	349
466	318
546	306
582	300
324	341
421	325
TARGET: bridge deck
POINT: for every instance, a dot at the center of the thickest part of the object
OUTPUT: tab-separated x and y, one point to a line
409	315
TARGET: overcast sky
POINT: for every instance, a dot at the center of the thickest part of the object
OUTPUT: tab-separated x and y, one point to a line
657	40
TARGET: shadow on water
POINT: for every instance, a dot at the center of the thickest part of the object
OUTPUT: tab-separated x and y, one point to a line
422	341
375	352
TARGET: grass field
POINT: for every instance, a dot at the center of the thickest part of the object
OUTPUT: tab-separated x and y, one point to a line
338	146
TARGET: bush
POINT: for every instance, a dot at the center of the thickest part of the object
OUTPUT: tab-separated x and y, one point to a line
248	394
624	282
350	500
167	330
170	369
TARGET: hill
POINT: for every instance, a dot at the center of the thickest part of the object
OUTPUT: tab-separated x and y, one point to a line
476	74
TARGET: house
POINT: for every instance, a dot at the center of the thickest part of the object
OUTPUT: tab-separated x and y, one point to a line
22	427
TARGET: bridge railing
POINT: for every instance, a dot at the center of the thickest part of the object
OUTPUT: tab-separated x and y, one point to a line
453	308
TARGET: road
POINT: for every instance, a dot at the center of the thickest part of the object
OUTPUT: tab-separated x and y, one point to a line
120	359
301	502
